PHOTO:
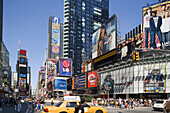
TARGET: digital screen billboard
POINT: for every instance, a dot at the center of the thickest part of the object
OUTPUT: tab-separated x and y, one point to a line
60	84
80	81
22	84
23	52
65	67
107	82
22	62
92	79
22	75
104	39
154	79
156	26
42	70
55	39
15	77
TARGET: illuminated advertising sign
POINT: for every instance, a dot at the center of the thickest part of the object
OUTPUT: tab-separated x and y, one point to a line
28	78
22	84
104	39
65	67
55	39
154	78
51	66
22	75
156	25
15	77
92	79
22	52
49	78
80	81
42	69
60	84
107	82
22	62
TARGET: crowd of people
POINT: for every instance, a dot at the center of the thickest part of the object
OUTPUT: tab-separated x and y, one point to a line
14	102
129	103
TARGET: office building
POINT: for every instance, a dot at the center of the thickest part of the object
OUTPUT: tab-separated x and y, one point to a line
81	19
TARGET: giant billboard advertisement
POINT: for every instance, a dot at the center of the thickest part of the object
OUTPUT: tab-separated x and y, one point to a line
55	39
104	39
155	78
15	77
60	84
92	79
156	25
80	81
65	67
22	84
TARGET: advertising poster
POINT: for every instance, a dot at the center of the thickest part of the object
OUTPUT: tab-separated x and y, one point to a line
156	36
22	75
104	39
15	77
107	84
42	69
49	77
80	81
154	78
28	78
23	52
92	79
65	67
60	84
22	62
55	40
22	84
51	66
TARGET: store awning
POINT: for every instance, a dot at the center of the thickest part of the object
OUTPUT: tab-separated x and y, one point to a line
3	91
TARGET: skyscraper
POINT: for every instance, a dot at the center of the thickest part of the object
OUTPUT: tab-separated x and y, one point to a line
81	19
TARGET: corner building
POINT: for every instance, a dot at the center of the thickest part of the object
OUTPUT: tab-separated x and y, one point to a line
81	19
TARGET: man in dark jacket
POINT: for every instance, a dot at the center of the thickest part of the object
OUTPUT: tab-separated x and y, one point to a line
155	24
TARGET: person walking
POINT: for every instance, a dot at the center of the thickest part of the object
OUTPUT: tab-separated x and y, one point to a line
15	104
19	105
52	101
0	105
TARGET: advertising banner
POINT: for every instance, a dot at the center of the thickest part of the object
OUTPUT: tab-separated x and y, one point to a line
15	77
154	78
22	84
51	66
156	33
49	78
104	39
22	62
65	67
22	75
23	52
80	81
28	78
92	79
42	70
60	84
55	40
107	83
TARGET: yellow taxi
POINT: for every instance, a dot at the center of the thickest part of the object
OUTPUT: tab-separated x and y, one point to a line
69	107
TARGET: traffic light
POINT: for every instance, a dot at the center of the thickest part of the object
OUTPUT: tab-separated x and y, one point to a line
136	57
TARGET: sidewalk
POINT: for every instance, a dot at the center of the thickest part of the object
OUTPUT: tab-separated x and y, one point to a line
117	108
10	109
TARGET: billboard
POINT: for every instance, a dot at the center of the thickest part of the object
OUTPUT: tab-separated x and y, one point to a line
104	39
22	62
15	77
28	78
51	66
23	52
42	70
107	83
22	75
60	84
80	81
92	79
156	25
55	39
65	67
22	84
155	78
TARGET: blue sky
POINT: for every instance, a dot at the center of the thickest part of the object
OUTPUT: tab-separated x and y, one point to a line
27	21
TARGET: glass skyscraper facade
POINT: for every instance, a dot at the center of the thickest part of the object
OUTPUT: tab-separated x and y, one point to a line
81	19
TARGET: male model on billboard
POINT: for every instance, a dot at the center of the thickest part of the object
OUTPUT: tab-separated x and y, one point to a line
146	26
155	24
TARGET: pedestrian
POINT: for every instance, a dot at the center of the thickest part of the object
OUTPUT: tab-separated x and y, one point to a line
19	105
81	106
15	104
0	105
52	101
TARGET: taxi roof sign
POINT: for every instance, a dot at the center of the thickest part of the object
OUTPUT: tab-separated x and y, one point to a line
68	98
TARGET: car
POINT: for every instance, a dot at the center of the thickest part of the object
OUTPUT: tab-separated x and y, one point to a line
69	107
159	104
